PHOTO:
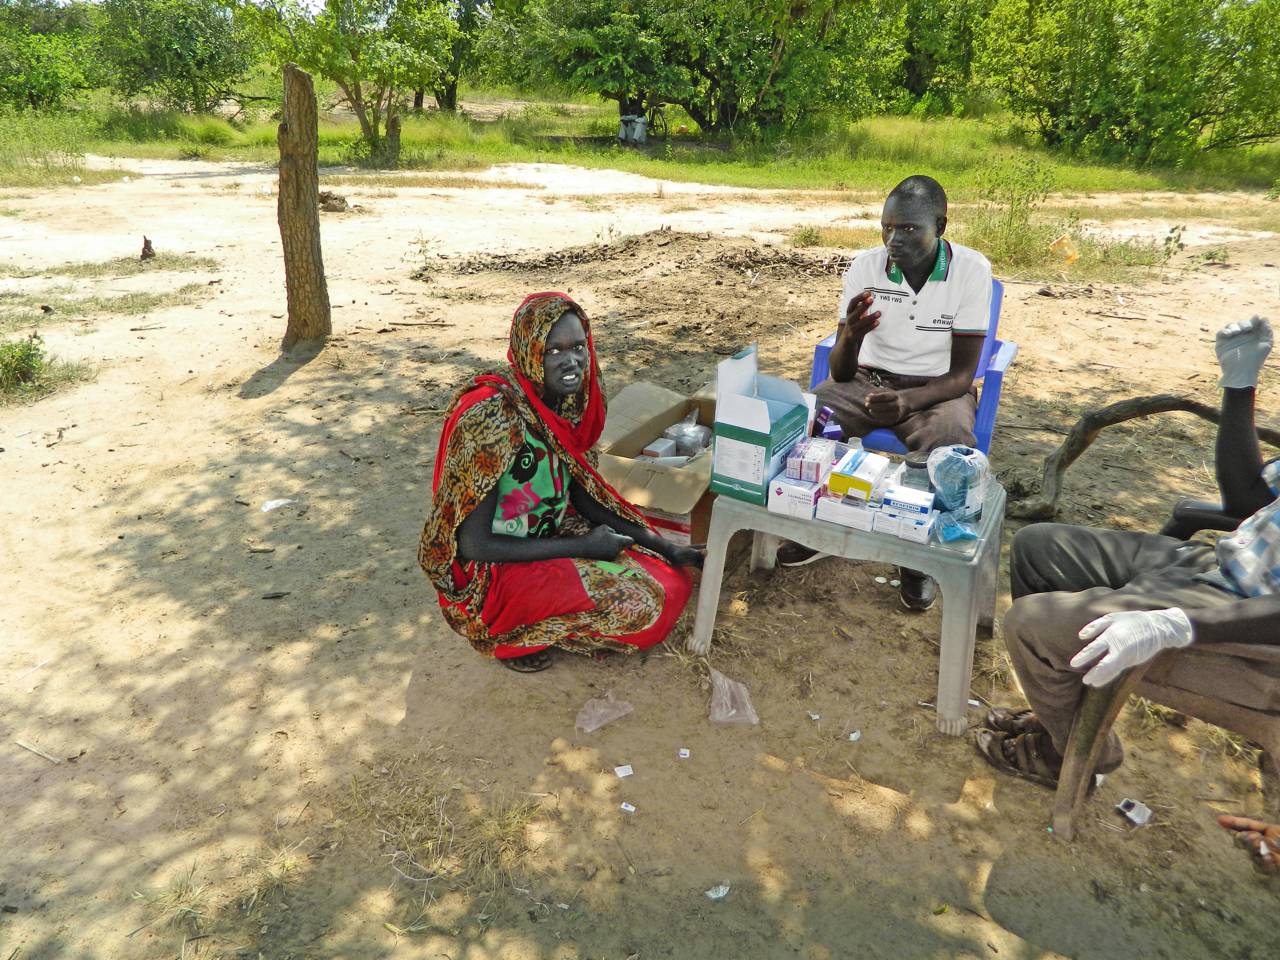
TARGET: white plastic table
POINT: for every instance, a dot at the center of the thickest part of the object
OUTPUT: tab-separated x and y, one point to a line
966	572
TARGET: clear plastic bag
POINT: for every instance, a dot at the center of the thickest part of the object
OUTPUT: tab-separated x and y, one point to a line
596	713
730	701
950	529
960	476
690	436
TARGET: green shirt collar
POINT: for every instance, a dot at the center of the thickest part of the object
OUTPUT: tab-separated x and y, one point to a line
941	265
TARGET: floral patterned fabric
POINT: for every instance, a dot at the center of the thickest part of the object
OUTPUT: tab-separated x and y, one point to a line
533	492
486	428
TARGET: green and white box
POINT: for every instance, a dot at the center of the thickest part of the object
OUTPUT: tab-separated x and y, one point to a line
758	420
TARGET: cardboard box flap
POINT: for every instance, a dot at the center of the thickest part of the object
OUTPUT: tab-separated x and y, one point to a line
750	400
671	489
635	406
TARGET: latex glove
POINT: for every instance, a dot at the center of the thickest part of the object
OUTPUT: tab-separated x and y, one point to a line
1242	347
1124	640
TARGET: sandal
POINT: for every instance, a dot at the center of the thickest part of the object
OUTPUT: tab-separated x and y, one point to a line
1012	722
534	662
1030	756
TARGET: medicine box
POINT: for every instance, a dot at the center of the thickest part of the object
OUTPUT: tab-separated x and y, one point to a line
857	474
917	530
811	459
846	512
758	420
907	501
794	498
889	523
661	447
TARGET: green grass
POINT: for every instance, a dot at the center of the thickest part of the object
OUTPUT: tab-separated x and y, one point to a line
28	373
871	155
121	267
20	309
1020	249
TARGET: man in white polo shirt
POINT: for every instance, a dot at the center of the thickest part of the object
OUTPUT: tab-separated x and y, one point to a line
912	319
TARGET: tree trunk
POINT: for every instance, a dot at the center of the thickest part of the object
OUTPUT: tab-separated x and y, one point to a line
447	96
419	97
298	212
390	152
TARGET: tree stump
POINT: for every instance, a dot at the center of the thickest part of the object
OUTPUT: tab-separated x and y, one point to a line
297	210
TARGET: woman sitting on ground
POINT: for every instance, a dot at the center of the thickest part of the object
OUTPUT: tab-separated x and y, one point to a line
516	572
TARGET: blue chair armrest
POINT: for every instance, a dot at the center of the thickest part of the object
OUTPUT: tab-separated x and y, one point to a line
821	368
989	401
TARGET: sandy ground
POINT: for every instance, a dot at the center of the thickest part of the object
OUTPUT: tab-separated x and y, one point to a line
207	732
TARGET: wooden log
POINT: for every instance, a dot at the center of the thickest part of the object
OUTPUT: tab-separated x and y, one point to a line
1045	505
297	211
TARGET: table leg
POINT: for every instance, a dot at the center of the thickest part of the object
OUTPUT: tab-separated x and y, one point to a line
960	600
990	578
764	551
704	621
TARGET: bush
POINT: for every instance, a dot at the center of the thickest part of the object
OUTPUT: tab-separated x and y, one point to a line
21	362
34	145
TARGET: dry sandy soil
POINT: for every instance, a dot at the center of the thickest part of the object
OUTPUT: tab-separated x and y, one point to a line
253	777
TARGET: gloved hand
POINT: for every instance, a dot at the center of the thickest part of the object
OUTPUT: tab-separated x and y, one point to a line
1124	640
1242	347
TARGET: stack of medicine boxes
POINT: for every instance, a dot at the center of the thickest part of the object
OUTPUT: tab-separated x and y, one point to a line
853	487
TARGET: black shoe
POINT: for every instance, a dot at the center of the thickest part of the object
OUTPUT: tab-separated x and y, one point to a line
797	555
917	592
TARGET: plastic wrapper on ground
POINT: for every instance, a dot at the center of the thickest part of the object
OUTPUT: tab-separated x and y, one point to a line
730	701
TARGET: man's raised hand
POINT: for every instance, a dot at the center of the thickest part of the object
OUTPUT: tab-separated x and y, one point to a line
859	318
1242	348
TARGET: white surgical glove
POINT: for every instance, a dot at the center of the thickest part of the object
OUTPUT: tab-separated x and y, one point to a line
1242	347
1124	640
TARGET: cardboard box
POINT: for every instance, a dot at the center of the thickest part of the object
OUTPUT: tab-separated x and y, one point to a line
812	459
886	523
758	420
795	498
674	499
918	530
846	512
907	501
857	474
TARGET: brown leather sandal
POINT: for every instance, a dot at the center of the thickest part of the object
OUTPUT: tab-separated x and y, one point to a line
1013	722
1030	756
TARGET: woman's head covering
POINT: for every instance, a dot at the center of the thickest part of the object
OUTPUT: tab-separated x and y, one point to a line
580	419
484	428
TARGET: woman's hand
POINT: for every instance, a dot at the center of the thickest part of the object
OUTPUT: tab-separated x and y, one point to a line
679	556
602	543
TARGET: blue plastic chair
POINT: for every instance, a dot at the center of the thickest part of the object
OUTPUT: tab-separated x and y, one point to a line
992	364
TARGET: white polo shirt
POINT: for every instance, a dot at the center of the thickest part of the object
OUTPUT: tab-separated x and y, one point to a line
914	335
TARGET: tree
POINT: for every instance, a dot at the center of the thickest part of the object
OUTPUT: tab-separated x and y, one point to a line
47	53
938	49
297	210
376	51
732	64
1153	80
187	53
470	17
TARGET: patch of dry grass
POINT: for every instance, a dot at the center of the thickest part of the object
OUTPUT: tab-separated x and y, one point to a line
119	267
433	829
840	238
439	181
180	905
25	309
274	873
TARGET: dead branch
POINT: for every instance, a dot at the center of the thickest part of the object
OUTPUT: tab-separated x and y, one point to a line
1086	430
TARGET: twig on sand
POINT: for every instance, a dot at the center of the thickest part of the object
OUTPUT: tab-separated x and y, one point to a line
38	753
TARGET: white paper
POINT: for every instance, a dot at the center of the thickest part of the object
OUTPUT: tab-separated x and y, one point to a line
683	753
623	771
627	807
276	505
739	460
